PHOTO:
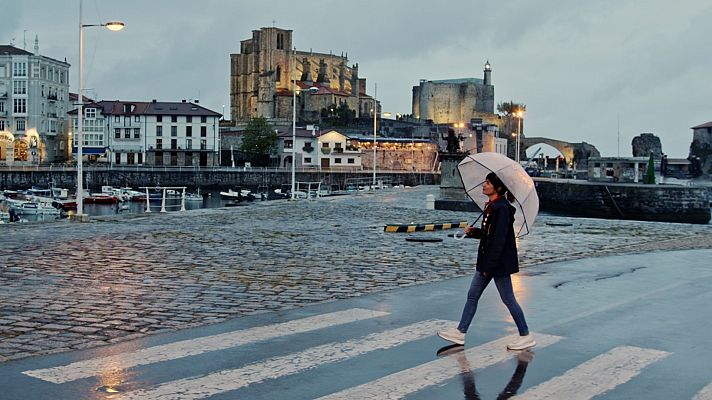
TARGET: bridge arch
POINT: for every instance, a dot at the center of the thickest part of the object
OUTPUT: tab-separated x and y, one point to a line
572	152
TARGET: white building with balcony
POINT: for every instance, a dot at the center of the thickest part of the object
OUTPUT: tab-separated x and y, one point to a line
329	150
150	133
34	100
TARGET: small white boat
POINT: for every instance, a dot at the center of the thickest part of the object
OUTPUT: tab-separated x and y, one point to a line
233	195
31	207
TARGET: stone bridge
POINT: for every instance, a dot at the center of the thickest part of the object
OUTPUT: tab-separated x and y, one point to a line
577	152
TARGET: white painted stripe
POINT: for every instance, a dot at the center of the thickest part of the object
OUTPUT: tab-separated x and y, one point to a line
403	383
704	394
192	347
596	376
223	381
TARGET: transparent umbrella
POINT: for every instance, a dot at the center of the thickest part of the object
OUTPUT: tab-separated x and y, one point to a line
473	171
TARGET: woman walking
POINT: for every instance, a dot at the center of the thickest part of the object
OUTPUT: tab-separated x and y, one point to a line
496	260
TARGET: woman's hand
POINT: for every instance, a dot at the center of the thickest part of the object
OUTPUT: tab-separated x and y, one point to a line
471	231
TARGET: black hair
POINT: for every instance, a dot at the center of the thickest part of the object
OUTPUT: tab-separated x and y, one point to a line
500	187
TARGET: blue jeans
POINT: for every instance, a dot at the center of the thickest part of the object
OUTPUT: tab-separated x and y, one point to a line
506	293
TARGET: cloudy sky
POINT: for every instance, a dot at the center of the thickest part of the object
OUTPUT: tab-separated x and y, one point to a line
591	71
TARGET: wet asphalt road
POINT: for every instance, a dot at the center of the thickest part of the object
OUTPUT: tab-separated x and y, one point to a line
134	281
642	312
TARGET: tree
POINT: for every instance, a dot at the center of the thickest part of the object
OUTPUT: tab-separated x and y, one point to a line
649	177
510	108
259	137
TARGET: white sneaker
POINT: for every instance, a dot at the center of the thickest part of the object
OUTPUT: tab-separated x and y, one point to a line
453	335
522	342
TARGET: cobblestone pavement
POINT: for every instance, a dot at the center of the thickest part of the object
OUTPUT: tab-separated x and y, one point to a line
71	286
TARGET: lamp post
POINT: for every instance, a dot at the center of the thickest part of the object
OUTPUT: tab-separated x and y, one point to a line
519	114
312	89
79	136
375	114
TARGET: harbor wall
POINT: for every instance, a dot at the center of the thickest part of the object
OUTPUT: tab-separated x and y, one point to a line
206	179
664	203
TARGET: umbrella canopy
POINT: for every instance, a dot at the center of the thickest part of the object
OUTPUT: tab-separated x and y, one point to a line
473	171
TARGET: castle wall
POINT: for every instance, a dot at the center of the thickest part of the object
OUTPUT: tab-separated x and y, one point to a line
445	102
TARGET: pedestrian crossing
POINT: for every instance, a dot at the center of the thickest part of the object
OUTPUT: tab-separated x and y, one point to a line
600	374
704	394
186	348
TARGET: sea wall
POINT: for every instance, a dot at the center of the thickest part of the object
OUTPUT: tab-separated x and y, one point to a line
219	178
664	203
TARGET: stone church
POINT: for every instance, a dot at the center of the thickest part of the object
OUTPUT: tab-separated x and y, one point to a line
262	74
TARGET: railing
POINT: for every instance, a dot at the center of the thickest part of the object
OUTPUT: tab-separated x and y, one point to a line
194	168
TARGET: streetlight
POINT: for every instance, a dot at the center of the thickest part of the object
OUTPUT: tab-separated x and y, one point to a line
312	89
375	114
519	114
112	26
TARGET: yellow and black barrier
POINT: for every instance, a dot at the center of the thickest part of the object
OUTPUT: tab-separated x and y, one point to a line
424	227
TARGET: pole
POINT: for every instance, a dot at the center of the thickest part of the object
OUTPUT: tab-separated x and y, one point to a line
80	117
294	121
519	133
375	113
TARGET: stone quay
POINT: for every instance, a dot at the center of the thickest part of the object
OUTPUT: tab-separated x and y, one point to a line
67	286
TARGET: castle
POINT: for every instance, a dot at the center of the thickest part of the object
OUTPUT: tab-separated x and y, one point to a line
263	74
455	100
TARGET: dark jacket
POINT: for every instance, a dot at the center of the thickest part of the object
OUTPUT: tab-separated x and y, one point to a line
497	252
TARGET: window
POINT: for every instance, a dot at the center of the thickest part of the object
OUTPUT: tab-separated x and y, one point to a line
188	144
203	131
280	41
117	133
159	118
19	69
307	160
159	145
189	119
117	118
19	106
203	119
137	133
278	74
288	144
20	124
174	144
159	158
2	106
90	113
137	118
159	130
19	87
127	133
117	158
140	158
174	130
174	118
188	131
203	144
2	125
337	161
130	158
350	160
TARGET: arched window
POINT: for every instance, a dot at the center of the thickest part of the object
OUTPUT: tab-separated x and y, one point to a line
278	78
